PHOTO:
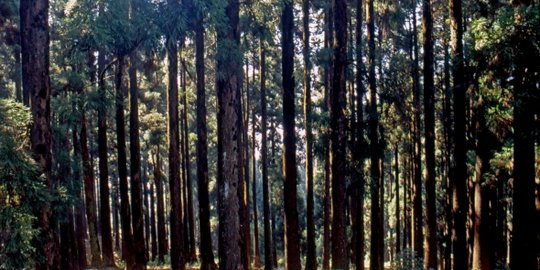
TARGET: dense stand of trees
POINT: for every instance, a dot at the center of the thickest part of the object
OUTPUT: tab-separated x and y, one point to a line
416	146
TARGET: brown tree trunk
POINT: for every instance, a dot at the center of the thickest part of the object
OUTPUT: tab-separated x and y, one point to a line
359	150
153	229
177	238
338	138
139	247
311	256
398	209
205	249
459	184
34	17
328	38
163	242
292	238
524	247
127	237
268	261
80	233
228	84
430	254
417	224
373	122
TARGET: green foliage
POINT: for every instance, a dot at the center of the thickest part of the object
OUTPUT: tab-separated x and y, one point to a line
22	190
407	260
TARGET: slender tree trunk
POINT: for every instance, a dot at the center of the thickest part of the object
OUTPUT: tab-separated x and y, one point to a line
338	138
268	261
139	247
256	251
177	239
523	247
127	237
417	232
311	259
153	229
292	238
328	38
34	17
430	254
359	151
229	66
459	184
398	209
163	243
207	256
373	121
80	236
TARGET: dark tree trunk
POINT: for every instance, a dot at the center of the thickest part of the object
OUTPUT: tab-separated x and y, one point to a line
482	253
524	247
328	38
359	149
417	225
207	256
373	122
177	238
228	85
34	17
153	229
292	238
338	138
125	214
398	209
264	162
311	259
459	184
163	243
139	247
80	233
430	254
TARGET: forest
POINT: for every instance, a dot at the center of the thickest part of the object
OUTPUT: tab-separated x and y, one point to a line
270	134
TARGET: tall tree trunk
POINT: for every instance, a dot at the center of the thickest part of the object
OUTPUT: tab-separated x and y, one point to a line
163	243
125	213
430	254
264	161
459	184
417	224
328	39
311	259
256	251
338	138
177	238
34	17
482	253
80	221
207	256
228	85
398	209
373	122
523	247
153	229
139	247
359	150
292	238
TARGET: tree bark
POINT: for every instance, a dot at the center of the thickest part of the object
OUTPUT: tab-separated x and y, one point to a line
163	243
139	247
206	253
264	162
373	122
177	239
338	138
459	184
36	82
311	259
292	238
523	247
328	38
228	84
430	252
